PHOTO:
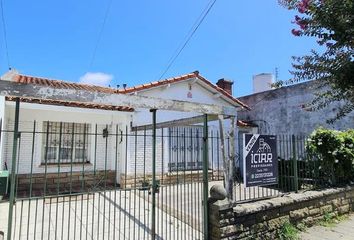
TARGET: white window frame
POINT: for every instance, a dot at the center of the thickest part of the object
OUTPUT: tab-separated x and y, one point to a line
77	135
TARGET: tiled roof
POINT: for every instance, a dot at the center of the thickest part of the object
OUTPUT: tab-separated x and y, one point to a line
79	86
178	79
71	104
60	84
158	83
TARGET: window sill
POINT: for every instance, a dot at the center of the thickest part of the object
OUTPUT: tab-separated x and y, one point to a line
193	171
50	165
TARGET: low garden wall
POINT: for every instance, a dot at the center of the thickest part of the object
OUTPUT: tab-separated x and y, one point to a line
143	180
264	219
63	182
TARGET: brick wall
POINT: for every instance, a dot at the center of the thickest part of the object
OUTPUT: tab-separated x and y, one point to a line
263	219
136	181
63	183
140	148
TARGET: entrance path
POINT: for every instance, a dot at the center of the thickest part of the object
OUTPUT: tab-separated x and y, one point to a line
120	214
343	230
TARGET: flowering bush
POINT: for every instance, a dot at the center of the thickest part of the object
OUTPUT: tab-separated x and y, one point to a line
331	24
335	152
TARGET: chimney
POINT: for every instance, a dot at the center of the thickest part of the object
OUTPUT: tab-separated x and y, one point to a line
225	85
262	82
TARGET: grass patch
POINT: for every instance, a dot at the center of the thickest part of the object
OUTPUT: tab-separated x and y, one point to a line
288	232
330	220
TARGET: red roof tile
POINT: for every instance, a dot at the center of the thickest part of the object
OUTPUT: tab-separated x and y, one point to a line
79	86
60	84
179	79
242	123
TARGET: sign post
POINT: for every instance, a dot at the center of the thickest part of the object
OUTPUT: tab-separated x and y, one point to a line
260	163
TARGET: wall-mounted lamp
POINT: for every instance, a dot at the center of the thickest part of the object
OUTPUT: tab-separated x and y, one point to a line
105	133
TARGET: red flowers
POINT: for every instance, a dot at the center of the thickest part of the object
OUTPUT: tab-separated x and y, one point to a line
303	6
296	32
301	22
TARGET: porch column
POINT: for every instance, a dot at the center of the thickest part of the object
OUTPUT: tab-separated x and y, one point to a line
2	127
13	169
205	176
154	186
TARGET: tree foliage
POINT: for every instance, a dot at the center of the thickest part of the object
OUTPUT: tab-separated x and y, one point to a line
331	23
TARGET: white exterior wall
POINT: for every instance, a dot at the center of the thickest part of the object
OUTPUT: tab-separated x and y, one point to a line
42	113
140	155
135	157
140	160
177	91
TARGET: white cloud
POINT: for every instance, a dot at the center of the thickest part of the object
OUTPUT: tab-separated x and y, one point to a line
96	78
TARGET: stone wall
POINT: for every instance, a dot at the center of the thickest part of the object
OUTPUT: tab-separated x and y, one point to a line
263	219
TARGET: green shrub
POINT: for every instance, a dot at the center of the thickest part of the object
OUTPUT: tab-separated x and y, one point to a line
334	151
330	219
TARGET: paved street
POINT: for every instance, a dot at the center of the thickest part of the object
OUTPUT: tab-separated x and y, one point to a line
343	230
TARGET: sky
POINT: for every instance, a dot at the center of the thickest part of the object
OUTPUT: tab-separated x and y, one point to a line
238	39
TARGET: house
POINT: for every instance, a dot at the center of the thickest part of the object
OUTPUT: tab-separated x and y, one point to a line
94	144
286	110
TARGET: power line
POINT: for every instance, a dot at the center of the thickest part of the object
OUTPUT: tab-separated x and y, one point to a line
5	34
191	30
100	34
188	37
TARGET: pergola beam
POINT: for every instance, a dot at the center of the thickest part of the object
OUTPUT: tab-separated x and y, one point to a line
8	88
175	123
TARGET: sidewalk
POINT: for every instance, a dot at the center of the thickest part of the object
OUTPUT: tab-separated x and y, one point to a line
342	230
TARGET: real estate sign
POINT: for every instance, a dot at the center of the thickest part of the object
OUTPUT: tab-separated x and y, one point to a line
260	163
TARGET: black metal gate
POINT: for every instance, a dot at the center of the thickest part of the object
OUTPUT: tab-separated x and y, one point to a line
92	181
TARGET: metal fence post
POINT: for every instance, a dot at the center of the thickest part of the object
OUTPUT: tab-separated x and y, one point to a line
205	177
296	177
13	169
153	192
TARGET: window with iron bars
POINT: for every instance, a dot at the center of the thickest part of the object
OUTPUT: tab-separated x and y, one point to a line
185	148
65	143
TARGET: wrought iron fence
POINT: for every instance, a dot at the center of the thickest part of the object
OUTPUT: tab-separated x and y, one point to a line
297	170
293	163
98	182
108	195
